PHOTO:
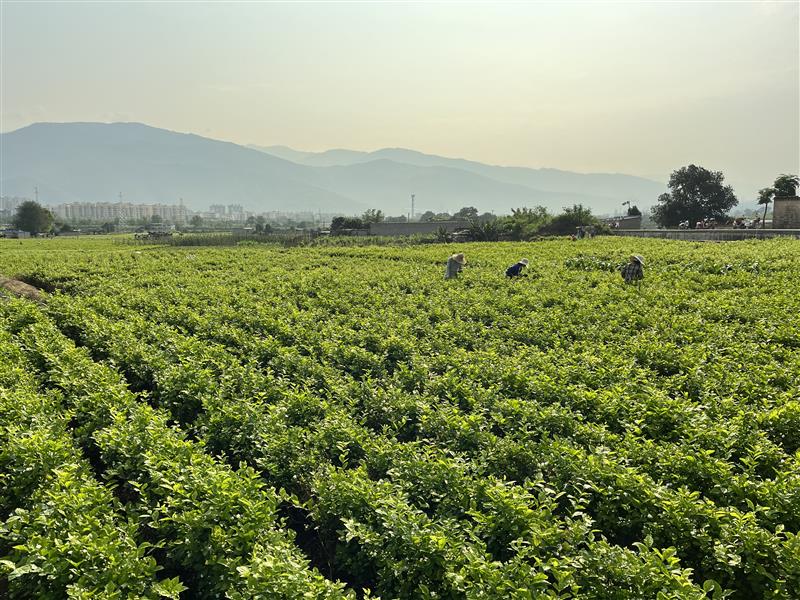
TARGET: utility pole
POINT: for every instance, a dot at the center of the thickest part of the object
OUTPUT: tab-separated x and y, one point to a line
412	207
36	193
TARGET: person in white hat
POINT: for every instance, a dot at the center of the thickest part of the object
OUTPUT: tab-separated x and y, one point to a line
515	270
454	265
633	271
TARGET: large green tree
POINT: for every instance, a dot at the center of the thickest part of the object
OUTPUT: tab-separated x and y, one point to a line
695	194
33	217
568	221
786	185
340	223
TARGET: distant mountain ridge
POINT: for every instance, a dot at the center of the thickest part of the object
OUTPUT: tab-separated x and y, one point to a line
607	185
94	162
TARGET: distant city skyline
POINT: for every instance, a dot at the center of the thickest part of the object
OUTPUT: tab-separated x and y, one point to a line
636	88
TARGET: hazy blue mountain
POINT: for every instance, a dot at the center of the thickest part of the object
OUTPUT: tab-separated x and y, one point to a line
329	158
388	185
94	162
603	191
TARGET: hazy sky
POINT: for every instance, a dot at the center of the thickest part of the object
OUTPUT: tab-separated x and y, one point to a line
640	88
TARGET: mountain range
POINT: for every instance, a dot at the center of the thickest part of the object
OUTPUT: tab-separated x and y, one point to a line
95	162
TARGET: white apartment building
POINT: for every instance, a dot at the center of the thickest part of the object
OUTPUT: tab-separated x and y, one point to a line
236	212
125	211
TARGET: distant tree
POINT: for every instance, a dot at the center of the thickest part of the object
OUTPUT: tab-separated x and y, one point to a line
427	216
442	216
260	221
340	223
525	223
250	221
537	213
156	219
372	216
467	212
765	196
62	227
786	185
633	211
33	217
488	231
196	221
568	221
108	227
399	219
695	194
487	216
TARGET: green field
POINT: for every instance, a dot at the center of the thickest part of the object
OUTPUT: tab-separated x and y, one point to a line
269	422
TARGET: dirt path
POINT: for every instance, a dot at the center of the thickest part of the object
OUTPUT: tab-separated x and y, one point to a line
20	288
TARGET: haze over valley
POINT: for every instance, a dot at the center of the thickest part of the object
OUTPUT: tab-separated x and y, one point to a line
94	162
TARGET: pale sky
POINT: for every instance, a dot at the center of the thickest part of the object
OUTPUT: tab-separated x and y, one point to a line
637	87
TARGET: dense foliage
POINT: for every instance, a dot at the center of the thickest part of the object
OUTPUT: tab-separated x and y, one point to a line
695	194
268	422
786	185
33	217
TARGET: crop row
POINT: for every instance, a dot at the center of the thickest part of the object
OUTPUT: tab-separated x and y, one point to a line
216	528
559	436
252	416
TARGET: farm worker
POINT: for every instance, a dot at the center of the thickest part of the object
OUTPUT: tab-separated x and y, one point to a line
633	270
515	270
454	266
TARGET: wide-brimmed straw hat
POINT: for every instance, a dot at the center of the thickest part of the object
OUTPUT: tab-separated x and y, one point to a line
524	261
459	258
638	259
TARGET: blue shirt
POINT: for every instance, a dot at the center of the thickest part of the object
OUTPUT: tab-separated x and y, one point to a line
515	270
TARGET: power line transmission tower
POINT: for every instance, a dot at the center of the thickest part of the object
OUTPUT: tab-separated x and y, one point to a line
122	213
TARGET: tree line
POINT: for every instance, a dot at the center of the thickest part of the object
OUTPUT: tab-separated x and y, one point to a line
697	194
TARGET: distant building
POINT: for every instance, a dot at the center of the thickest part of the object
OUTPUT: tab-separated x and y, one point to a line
629	222
786	212
10	203
236	212
16	234
217	210
124	211
8	207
